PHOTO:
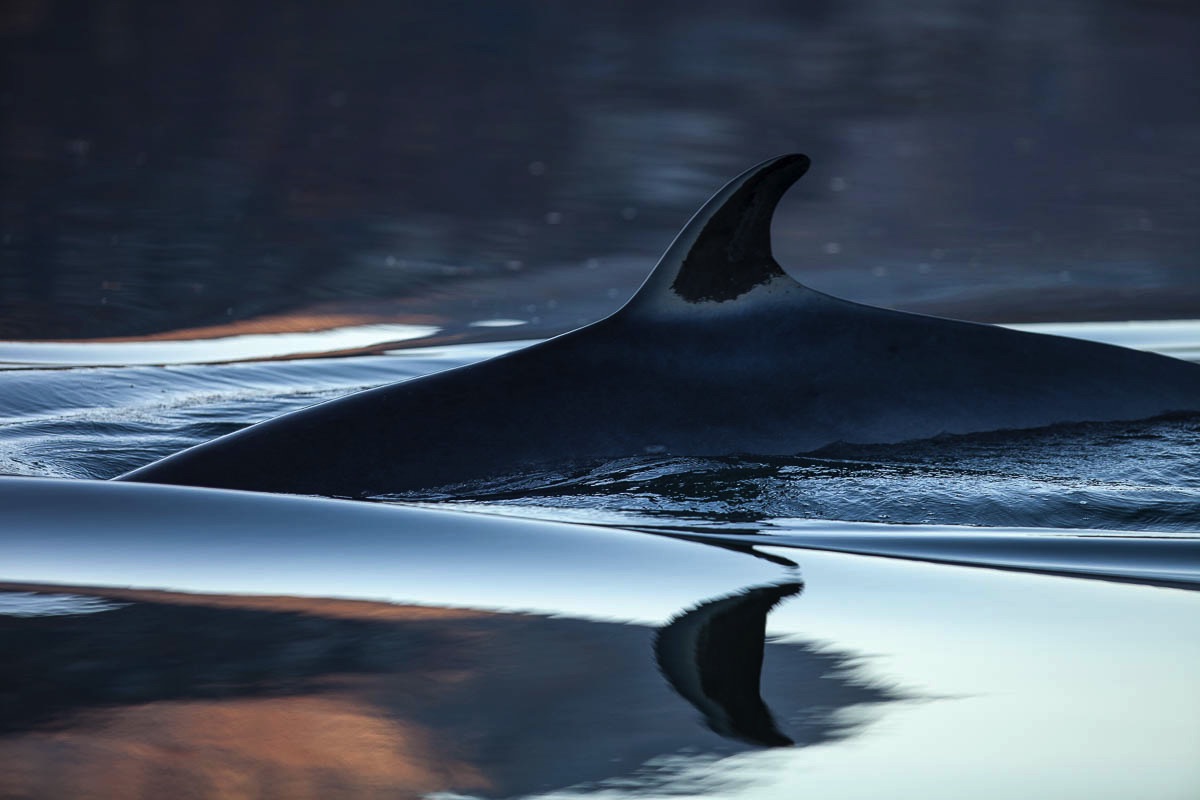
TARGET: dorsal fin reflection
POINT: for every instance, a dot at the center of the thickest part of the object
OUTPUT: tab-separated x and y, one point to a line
713	655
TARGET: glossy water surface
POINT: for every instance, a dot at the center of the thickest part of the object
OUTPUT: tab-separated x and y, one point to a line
979	611
196	199
503	657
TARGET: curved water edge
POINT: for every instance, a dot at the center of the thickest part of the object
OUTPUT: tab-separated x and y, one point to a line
1169	559
217	350
310	593
406	624
1172	561
1176	337
268	218
1026	562
100	422
206	527
99	533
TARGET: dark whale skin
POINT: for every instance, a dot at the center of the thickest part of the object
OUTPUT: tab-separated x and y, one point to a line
720	352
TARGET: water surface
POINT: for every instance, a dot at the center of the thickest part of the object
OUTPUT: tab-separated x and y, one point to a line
211	214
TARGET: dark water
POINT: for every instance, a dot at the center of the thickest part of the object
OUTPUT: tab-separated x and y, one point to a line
170	166
236	187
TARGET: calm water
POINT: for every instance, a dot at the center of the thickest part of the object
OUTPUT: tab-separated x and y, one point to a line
920	666
169	166
197	201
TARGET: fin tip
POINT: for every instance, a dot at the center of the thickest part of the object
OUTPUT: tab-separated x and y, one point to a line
724	251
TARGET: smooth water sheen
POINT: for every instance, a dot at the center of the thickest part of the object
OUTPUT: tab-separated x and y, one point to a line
992	616
201	204
515	658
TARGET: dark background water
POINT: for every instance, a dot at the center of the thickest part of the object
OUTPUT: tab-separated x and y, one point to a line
167	165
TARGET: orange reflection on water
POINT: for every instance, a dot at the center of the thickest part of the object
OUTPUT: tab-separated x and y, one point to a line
177	695
329	742
326	746
294	322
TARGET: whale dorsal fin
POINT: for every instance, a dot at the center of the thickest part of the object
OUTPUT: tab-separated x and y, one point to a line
725	249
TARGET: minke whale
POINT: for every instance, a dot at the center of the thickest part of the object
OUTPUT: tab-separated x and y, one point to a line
719	352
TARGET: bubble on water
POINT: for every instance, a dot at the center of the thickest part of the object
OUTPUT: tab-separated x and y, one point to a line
80	148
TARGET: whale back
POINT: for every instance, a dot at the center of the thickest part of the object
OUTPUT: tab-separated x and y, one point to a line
719	352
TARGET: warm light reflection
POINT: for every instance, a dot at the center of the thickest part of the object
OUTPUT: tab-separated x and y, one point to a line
311	321
332	746
189	695
217	345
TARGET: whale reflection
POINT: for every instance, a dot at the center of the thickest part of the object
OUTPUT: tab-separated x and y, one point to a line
216	695
713	656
